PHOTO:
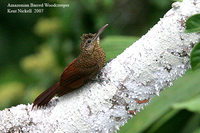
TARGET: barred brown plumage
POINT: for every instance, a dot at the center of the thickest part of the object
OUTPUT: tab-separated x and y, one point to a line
79	71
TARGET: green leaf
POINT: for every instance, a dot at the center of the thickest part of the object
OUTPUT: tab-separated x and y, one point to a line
192	105
195	57
115	45
193	24
183	89
192	124
162	121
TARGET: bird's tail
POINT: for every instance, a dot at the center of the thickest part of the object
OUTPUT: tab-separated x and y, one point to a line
46	96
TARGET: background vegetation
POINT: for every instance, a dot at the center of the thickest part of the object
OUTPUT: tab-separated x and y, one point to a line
35	49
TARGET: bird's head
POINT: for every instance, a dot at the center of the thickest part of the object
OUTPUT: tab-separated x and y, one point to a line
90	41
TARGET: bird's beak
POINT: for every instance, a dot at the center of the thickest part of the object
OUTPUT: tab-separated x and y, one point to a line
100	31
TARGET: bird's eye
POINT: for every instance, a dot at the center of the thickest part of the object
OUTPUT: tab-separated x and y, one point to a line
88	41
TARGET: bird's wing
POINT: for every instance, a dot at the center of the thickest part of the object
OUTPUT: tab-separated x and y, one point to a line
74	77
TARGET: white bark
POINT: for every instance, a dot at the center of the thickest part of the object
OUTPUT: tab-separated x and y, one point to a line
139	73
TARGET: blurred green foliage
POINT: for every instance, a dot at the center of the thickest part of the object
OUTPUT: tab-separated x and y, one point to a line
12	92
46	27
35	49
42	62
114	45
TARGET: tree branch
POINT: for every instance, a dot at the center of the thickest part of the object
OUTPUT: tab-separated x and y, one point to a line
128	83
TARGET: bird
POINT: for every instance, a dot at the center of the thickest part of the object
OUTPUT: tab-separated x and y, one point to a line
90	61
